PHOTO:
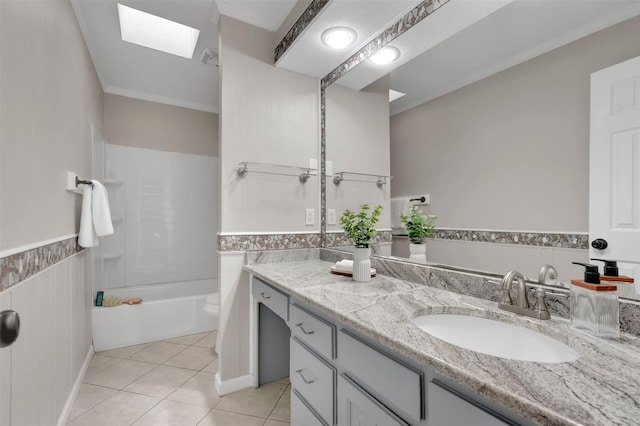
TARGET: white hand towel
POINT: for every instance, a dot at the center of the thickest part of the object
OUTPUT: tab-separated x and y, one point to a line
398	205
344	265
101	212
87	237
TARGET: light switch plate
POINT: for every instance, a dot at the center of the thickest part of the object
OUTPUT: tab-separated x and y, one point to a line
310	217
329	168
331	216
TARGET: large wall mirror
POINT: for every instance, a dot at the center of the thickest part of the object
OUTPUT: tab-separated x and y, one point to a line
493	128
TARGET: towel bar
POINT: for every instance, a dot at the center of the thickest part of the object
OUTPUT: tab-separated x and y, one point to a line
83	182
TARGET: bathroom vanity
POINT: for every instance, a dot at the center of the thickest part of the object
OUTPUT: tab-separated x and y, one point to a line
356	358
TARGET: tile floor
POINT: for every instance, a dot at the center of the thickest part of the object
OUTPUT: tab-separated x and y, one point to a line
172	383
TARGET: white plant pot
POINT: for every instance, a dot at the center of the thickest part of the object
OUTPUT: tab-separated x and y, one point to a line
418	253
362	264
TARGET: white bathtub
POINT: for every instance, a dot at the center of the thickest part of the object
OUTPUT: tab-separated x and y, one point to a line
168	310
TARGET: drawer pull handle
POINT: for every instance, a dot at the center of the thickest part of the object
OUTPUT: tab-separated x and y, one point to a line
303	378
265	297
308	333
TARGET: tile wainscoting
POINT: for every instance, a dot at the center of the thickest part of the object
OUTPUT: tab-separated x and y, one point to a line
22	265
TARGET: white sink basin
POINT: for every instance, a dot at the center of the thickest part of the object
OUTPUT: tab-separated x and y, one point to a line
495	338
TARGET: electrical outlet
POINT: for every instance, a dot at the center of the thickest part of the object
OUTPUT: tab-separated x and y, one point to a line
331	216
310	217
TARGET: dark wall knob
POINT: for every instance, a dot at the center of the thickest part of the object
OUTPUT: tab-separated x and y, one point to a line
9	327
599	244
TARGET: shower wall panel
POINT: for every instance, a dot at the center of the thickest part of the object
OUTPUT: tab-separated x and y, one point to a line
171	217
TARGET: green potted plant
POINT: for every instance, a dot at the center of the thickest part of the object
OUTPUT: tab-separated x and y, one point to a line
419	228
360	229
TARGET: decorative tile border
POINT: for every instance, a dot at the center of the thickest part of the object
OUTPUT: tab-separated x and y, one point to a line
416	15
267	242
305	19
337	239
20	266
539	239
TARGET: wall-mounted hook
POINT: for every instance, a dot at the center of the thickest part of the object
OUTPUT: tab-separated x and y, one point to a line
305	176
337	178
243	170
381	181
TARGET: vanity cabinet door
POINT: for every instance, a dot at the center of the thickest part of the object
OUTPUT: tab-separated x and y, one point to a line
301	414
357	408
449	409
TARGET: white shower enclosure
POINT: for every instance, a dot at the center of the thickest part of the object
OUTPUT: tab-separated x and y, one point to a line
164	213
164	210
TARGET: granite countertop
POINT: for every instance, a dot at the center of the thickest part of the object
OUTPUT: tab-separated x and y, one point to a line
602	387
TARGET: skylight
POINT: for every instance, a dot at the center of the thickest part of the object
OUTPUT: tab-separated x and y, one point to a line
157	33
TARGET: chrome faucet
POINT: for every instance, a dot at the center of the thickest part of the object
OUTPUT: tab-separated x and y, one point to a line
521	305
547	270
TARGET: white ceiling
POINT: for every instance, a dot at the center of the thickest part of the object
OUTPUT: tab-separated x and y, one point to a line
130	70
310	56
462	42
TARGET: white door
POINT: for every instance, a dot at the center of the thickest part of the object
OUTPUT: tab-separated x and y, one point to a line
614	177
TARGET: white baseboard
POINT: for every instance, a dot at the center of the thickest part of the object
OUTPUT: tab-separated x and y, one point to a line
232	385
68	406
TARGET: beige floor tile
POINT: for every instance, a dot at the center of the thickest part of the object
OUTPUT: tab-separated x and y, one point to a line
199	390
270	422
209	341
173	413
88	397
284	380
123	408
121	374
212	367
193	357
125	352
99	363
223	418
187	340
282	411
158	352
161	381
254	402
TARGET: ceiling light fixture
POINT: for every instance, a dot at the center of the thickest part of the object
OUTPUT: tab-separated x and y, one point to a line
157	33
338	37
385	56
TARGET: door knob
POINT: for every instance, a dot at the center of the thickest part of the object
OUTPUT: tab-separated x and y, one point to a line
599	244
9	327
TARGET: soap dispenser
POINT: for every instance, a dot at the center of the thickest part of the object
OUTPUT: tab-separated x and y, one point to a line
626	287
594	304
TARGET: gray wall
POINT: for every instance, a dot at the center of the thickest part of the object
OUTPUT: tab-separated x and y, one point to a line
357	134
50	95
510	152
143	124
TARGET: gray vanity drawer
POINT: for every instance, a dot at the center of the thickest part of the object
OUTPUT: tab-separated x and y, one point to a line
314	380
275	300
384	377
313	331
301	415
